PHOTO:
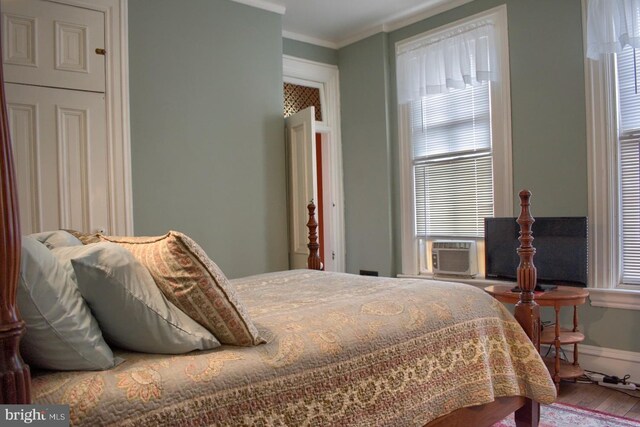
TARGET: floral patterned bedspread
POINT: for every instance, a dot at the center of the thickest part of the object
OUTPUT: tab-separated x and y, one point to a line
341	350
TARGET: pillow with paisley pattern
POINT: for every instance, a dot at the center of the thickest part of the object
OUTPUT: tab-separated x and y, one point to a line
194	283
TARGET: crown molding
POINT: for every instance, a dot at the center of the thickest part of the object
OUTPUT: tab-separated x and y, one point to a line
361	35
391	24
264	5
412	16
401	20
309	39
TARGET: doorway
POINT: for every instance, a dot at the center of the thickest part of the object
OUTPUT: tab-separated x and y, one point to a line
323	164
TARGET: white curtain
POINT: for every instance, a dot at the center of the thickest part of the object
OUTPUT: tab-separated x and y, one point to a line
464	56
611	25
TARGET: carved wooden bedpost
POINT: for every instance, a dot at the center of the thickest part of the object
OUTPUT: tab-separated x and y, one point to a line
527	311
15	377
313	262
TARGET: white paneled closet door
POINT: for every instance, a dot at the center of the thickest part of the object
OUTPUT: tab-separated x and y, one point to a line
55	87
58	145
53	44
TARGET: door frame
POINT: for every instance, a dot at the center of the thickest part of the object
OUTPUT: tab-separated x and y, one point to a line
325	77
117	107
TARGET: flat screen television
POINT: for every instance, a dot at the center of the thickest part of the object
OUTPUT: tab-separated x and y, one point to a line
561	249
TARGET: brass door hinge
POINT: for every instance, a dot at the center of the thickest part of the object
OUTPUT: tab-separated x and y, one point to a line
101	51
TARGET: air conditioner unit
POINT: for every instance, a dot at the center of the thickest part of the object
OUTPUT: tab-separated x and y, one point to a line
454	257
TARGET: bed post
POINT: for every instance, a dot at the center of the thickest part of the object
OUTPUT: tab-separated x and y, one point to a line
14	373
313	262
527	311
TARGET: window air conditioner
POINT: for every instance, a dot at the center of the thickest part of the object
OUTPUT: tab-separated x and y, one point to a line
454	257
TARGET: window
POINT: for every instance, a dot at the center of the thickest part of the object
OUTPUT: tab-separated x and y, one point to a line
613	119
629	167
453	184
455	144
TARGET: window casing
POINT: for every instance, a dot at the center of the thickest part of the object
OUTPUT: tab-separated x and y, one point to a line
469	140
613	146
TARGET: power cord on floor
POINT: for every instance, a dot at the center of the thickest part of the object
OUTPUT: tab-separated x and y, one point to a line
600	378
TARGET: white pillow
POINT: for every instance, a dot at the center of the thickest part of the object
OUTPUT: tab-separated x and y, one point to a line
131	310
61	332
56	239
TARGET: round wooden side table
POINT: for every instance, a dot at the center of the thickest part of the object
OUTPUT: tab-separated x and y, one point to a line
562	296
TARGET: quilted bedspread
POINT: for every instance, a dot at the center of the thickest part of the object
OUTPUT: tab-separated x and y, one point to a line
341	350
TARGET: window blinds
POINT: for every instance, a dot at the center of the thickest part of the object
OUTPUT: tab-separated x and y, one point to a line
452	161
629	157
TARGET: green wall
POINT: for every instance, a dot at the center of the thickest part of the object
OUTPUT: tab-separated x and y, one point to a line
207	139
548	138
548	104
366	155
603	327
310	51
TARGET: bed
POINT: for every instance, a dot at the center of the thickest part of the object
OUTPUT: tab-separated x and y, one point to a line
340	350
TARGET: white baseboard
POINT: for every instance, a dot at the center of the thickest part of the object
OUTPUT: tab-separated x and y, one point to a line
609	361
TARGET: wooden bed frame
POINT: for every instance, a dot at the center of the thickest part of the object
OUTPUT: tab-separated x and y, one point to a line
527	313
15	376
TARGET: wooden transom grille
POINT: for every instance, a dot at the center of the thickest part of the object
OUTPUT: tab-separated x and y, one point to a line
297	98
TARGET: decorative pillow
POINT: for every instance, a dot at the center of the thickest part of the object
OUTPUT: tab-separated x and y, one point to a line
194	283
85	238
129	307
61	332
56	239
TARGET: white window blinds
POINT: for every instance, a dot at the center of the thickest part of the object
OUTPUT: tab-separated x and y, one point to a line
452	162
629	154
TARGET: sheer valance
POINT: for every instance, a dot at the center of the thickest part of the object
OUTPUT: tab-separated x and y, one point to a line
463	56
611	25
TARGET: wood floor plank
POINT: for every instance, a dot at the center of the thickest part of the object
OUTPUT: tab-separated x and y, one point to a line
634	413
617	405
592	396
571	393
583	395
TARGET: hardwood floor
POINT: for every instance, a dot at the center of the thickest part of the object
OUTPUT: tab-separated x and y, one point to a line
593	396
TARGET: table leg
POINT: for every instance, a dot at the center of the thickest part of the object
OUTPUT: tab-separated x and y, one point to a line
556	371
575	329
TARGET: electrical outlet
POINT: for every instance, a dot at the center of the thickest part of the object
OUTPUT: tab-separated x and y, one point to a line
368	273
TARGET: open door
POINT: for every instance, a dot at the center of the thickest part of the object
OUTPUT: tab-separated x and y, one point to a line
302	185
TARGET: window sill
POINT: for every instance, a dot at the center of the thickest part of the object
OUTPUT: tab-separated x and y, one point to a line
627	299
478	281
615	298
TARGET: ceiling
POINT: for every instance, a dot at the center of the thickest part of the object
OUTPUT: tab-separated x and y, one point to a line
337	23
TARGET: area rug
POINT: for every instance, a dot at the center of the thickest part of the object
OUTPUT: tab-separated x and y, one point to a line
563	415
